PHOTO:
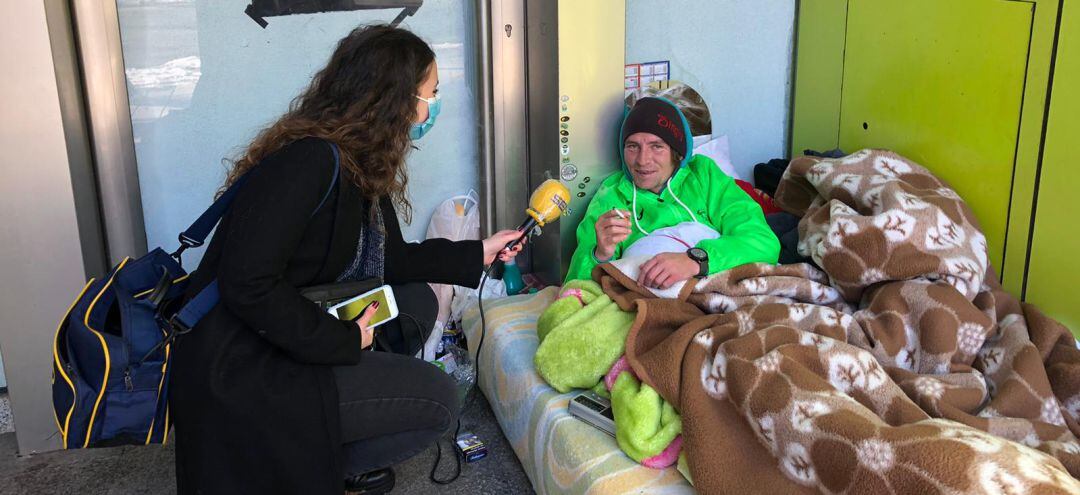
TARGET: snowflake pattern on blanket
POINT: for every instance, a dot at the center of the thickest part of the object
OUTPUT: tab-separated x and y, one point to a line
900	366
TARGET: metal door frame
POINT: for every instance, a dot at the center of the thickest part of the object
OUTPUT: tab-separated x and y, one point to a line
52	195
96	27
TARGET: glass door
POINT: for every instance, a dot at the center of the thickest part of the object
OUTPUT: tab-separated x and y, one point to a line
204	76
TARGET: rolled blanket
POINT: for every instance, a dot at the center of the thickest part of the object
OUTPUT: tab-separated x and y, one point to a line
641	409
574	296
582	338
646	426
579	343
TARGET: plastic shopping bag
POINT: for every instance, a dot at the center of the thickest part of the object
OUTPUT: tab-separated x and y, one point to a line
457	219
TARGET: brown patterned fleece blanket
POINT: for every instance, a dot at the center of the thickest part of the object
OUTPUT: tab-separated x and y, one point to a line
902	367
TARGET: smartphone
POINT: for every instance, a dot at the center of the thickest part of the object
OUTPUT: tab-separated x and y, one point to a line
351	309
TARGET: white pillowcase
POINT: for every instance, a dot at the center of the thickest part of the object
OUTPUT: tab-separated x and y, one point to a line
719	150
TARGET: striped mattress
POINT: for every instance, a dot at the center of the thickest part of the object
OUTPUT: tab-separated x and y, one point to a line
560	454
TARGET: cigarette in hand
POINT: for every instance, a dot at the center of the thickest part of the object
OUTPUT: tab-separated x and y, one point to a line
619	213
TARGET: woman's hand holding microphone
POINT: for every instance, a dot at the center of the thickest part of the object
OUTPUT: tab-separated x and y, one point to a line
495	245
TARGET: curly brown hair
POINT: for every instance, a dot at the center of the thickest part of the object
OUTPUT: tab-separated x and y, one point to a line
364	100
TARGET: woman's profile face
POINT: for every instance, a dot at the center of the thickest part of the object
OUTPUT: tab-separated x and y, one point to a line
427	89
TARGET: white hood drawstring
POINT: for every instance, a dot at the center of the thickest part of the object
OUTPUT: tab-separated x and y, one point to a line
633	209
687	208
633	212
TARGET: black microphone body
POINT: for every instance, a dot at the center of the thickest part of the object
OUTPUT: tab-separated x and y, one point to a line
524	228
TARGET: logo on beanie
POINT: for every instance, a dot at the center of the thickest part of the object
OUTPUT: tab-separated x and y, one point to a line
666	123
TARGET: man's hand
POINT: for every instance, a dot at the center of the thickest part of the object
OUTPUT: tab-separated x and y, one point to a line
611	229
666	269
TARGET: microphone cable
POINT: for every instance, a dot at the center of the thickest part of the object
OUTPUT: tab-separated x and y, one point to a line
483	321
438	457
476	365
546	204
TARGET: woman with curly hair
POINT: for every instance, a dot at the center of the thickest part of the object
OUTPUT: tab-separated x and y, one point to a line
272	394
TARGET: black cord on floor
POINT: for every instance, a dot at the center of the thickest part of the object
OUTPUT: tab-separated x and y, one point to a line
438	457
476	364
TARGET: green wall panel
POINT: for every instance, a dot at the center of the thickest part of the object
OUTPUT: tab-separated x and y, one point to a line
959	86
819	72
1054	267
942	84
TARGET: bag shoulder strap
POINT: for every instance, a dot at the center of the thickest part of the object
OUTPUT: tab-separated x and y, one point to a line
207	298
333	178
196	234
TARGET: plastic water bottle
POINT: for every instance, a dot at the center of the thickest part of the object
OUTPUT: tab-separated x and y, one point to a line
512	278
464	373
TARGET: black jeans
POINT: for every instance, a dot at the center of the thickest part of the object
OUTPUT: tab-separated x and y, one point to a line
394	406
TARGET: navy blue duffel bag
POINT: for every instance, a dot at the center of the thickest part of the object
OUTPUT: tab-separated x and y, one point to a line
111	353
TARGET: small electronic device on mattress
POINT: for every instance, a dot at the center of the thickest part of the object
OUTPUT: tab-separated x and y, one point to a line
595	410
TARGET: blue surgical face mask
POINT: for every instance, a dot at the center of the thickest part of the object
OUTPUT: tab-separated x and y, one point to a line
434	105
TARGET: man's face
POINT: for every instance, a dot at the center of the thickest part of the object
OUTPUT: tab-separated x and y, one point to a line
649	159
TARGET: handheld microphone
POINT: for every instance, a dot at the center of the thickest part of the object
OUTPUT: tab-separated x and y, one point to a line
546	204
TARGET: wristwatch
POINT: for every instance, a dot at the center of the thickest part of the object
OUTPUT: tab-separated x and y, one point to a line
702	258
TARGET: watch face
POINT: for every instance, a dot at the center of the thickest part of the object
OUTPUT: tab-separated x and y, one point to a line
698	254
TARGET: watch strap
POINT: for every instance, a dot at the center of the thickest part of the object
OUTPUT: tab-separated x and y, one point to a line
702	261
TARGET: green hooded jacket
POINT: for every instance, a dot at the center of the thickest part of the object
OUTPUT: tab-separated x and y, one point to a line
707	191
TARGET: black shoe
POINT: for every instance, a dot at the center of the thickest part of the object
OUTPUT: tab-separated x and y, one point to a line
376	482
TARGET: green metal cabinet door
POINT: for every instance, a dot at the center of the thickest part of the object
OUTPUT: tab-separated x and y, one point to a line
941	82
1053	279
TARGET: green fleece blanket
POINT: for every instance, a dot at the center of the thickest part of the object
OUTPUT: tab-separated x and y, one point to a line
582	334
645	424
579	342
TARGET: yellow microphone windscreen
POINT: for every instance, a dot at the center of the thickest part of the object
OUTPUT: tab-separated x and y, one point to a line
548	202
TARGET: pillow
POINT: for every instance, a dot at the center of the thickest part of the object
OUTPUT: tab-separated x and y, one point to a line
720	152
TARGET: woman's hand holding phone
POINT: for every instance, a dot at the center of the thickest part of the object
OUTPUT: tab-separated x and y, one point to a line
367	334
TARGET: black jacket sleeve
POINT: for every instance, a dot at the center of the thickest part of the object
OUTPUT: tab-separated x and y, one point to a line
269	217
439	261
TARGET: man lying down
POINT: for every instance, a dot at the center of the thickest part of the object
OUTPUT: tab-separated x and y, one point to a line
668	216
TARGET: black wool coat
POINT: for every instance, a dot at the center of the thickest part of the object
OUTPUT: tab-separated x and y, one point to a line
253	397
